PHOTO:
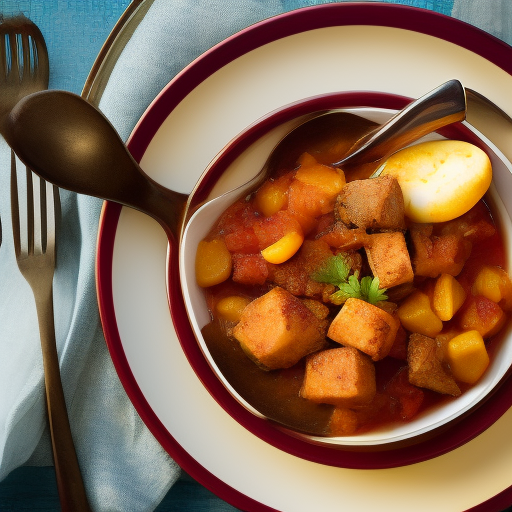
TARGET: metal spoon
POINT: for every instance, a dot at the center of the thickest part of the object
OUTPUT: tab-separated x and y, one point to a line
70	143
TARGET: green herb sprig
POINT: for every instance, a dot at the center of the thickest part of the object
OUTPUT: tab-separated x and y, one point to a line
336	271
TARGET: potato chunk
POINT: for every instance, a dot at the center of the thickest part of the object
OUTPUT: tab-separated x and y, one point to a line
230	308
425	369
416	315
468	356
343	422
375	203
389	259
276	330
449	295
494	283
364	326
340	376
213	263
273	195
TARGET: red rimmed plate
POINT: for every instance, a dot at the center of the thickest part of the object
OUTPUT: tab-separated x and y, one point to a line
198	433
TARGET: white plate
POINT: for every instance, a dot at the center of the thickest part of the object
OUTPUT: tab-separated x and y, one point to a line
292	57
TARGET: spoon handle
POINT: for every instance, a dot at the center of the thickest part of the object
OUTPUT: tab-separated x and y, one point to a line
444	105
165	205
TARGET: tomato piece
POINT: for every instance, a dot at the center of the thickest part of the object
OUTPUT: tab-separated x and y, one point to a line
249	269
409	397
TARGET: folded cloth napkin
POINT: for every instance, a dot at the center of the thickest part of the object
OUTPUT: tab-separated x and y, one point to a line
124	467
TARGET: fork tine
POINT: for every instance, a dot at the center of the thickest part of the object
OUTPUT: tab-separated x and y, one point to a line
40	54
14	68
43	214
3	55
35	213
30	211
15	211
44	224
25	48
39	212
53	214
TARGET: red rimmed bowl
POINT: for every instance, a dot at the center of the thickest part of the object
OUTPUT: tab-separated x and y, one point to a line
240	161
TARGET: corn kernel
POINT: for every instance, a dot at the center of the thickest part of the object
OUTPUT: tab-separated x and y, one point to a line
448	297
494	283
467	356
230	308
416	315
213	263
284	248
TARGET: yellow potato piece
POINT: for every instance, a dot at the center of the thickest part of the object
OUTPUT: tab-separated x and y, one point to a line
494	284
467	356
284	248
440	180
213	263
416	315
272	197
231	308
327	179
448	297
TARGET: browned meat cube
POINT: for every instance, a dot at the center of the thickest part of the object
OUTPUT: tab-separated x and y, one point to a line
276	330
425	369
375	203
364	326
340	236
435	255
294	275
389	259
341	376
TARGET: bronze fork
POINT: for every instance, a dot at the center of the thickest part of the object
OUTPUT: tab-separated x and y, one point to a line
24	69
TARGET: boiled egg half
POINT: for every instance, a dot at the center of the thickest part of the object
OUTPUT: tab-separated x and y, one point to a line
440	180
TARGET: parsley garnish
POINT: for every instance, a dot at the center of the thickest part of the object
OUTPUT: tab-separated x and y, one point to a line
336	271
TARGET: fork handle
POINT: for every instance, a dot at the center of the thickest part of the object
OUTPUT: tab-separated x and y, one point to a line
69	479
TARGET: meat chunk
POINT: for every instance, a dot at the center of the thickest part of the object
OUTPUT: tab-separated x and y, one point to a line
340	376
340	236
276	330
375	203
294	275
435	255
364	326
389	259
425	369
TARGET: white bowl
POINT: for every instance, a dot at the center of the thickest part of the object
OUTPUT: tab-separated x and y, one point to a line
235	173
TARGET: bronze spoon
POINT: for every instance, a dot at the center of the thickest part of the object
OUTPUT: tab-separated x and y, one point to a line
71	144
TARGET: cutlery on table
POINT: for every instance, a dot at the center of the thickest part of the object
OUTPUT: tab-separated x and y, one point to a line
24	69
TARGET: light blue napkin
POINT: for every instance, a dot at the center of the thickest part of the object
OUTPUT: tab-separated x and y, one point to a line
124	467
